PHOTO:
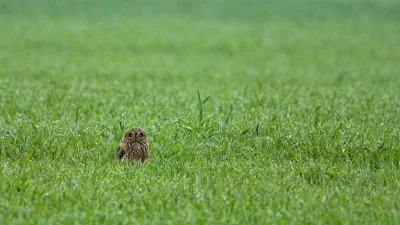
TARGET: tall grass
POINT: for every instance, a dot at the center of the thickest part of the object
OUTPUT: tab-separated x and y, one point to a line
257	112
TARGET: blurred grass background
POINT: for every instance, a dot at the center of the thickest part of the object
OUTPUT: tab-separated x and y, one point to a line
252	10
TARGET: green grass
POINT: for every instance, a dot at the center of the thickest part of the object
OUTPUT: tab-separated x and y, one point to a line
257	112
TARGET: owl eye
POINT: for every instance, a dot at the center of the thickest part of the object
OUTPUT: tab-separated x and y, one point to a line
130	134
140	134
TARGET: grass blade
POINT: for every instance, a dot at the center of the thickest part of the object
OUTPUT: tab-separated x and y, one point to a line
200	107
229	114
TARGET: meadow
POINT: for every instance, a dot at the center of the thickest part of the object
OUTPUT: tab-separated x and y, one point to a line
257	112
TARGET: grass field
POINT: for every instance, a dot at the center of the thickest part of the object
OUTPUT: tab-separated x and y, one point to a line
257	112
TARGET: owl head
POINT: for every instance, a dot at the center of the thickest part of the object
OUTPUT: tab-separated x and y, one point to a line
136	135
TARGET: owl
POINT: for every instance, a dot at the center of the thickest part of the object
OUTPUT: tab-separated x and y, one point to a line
134	145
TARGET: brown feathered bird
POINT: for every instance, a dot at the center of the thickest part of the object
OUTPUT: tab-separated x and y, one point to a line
134	145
